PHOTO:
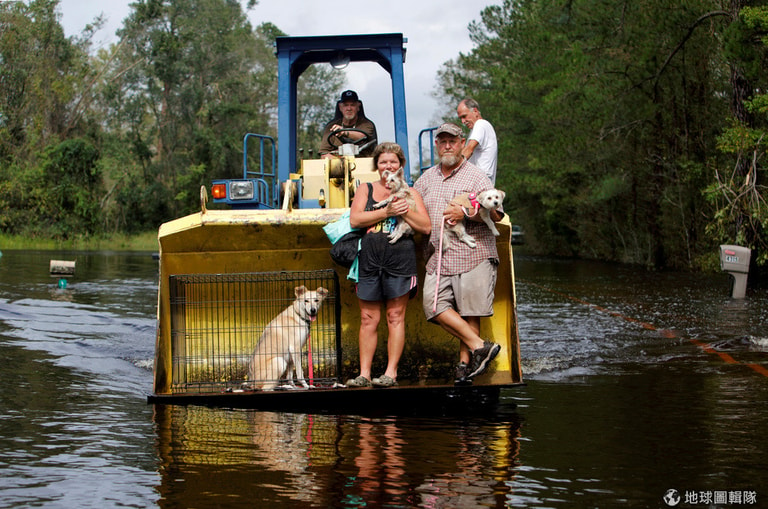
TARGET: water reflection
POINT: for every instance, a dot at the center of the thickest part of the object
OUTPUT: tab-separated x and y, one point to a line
622	404
220	455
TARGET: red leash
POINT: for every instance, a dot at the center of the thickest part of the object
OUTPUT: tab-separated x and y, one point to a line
309	360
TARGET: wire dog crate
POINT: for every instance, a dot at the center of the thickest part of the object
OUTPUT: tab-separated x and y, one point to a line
218	320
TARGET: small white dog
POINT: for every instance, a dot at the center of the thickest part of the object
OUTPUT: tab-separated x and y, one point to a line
398	188
481	204
277	355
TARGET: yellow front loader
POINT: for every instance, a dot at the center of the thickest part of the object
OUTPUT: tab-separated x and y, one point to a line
226	273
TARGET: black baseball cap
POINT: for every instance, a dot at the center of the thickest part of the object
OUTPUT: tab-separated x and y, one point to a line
348	95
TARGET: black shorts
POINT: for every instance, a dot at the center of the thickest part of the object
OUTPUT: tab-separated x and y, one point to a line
384	287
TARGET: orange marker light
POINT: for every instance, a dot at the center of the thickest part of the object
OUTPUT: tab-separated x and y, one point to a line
219	191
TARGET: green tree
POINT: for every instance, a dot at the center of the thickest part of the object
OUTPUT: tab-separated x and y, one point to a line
606	114
44	80
152	118
190	77
738	189
188	80
74	185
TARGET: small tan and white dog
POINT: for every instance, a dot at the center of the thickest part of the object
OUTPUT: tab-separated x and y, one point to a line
277	355
481	204
398	188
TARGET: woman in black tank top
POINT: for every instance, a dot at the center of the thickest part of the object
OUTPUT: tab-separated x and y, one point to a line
386	272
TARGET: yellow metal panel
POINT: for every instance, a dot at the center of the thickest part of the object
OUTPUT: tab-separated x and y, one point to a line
232	241
315	177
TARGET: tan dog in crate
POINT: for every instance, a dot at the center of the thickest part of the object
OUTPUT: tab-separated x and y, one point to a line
277	355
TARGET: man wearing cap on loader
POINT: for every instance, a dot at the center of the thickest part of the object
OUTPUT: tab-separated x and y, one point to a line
352	124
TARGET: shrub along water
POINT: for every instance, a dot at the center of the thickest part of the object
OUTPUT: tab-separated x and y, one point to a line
118	242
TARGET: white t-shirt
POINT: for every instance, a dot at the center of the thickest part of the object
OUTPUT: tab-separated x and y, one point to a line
485	154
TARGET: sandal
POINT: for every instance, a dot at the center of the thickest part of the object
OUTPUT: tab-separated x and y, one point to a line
360	381
384	381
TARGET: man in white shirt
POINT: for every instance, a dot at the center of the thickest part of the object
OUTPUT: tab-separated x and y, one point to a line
481	148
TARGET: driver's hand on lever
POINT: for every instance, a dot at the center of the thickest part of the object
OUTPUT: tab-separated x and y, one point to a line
352	135
344	135
351	126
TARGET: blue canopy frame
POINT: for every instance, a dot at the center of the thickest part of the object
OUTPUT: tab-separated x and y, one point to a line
296	54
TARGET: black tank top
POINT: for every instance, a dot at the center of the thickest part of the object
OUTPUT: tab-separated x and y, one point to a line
378	255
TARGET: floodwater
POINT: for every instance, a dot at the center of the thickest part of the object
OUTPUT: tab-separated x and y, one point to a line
637	383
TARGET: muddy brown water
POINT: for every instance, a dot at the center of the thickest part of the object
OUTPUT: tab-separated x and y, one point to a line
638	383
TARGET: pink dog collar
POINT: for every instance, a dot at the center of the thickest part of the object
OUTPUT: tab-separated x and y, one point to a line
472	197
473	201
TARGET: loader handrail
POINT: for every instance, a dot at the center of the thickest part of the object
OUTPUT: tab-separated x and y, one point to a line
262	175
431	132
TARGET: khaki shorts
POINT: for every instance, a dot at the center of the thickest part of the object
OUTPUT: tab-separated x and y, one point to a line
470	294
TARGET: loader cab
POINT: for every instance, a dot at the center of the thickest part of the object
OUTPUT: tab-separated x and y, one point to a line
281	179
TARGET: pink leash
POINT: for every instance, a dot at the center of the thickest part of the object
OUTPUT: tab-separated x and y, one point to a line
439	265
476	206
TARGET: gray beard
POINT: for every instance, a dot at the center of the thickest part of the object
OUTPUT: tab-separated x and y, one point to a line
449	160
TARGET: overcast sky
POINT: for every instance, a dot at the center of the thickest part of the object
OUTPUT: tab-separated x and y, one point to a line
436	31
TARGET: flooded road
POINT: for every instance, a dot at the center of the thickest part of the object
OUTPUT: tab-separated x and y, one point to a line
638	383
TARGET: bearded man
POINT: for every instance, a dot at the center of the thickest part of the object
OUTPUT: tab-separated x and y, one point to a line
467	278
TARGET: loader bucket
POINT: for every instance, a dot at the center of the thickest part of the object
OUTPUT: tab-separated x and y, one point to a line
218	268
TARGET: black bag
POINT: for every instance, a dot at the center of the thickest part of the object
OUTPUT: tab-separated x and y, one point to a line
344	251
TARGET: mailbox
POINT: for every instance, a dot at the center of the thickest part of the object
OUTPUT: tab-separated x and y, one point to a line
735	261
62	269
